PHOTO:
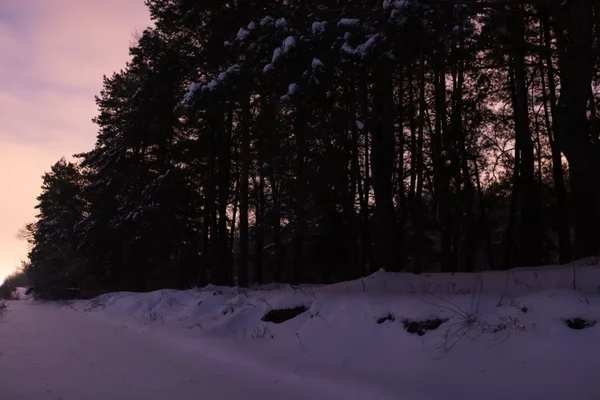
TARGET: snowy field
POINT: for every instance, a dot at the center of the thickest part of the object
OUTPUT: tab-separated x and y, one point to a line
495	335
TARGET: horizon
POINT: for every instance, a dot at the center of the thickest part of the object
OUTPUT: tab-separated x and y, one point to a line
53	61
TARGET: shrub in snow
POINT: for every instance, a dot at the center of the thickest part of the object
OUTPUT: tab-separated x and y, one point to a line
579	323
422	327
93	304
151	314
282	315
3	306
261	332
518	306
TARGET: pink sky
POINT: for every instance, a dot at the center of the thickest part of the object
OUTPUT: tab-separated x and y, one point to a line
52	58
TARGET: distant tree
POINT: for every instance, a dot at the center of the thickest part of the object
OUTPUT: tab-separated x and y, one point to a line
54	259
16	279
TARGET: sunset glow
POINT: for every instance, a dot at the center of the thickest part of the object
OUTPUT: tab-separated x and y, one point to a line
52	59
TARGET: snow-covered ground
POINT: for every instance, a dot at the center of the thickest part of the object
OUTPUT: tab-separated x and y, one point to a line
505	336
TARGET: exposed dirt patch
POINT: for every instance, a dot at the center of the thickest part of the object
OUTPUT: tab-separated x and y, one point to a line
282	315
422	327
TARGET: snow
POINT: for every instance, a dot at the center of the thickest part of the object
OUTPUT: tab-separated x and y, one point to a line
281	23
235	68
360	125
268	20
137	92
252	26
212	85
288	44
362	49
349	23
51	353
268	68
276	55
242	34
346	48
194	87
317	63
318	28
292	88
505	338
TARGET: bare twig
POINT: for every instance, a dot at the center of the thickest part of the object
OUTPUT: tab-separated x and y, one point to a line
302	345
504	291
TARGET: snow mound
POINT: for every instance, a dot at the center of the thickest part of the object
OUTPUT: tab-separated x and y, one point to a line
422	336
20	293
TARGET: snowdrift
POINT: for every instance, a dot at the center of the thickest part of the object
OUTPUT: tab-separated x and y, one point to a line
527	333
20	293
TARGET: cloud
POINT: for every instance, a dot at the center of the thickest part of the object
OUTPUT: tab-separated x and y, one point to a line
54	54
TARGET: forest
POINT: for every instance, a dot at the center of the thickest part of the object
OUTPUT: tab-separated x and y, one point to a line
316	141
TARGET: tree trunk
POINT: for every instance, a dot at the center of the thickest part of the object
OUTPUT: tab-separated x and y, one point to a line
365	210
418	207
400	195
530	240
468	192
484	220
382	137
260	231
441	179
509	237
236	202
575	58
208	227
244	178
300	194
563	229
365	240
224	140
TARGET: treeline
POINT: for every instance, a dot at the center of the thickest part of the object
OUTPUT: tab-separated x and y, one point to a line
315	141
13	281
